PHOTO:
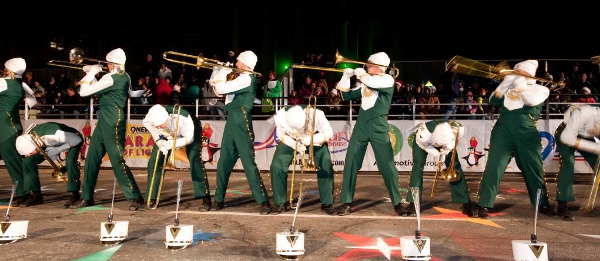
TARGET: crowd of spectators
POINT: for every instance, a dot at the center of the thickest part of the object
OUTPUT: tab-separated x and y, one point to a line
446	97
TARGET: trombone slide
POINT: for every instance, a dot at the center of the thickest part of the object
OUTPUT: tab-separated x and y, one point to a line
589	205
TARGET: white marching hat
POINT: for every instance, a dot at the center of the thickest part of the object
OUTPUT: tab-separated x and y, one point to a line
157	115
526	250
25	144
443	134
415	248
248	58
295	117
290	245
179	236
112	233
116	56
11	231
529	66
380	58
16	65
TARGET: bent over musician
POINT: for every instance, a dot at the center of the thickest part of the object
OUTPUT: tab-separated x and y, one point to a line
56	138
162	123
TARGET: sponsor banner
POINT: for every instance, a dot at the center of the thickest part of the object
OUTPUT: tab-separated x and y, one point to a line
471	151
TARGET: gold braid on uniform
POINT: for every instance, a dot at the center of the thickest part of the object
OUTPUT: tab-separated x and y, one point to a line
560	158
250	135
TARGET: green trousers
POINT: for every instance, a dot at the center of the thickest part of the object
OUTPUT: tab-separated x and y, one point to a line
199	178
564	183
109	138
10	128
514	134
238	143
459	189
374	131
284	155
32	175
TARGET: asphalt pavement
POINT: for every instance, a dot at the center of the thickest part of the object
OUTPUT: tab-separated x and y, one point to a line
238	232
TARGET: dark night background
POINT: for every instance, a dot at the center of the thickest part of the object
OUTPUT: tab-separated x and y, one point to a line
284	32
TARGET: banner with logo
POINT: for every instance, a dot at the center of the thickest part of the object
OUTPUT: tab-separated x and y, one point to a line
471	151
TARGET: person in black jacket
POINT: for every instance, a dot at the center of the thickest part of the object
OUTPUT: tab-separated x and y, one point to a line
450	93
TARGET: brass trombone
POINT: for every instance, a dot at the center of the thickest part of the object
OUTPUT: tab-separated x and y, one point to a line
596	59
76	59
471	67
589	204
435	178
202	62
449	173
168	163
59	170
394	72
307	164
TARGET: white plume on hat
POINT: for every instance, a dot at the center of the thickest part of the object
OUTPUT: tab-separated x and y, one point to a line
295	117
248	58
157	115
380	58
443	135
116	56
529	66
16	65
25	145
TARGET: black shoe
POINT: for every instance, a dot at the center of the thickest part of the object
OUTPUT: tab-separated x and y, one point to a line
220	206
19	200
329	209
411	210
73	200
278	209
136	204
344	209
152	204
265	208
35	198
483	212
84	203
547	210
399	209
206	204
563	212
467	209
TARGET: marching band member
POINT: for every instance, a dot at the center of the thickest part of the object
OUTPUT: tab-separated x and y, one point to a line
375	90
165	121
56	138
516	133
238	135
12	89
437	138
295	138
109	135
575	134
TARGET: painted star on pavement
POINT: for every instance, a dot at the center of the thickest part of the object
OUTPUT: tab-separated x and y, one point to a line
204	237
367	247
455	214
91	208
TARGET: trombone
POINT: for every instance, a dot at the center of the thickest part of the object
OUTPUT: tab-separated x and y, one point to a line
589	205
307	164
168	163
449	173
202	62
394	72
471	67
59	170
76	59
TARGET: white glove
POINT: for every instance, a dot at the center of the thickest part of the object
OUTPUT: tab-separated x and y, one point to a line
95	69
301	148
225	70
317	139
359	72
160	143
86	68
166	146
348	72
53	151
433	152
520	83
